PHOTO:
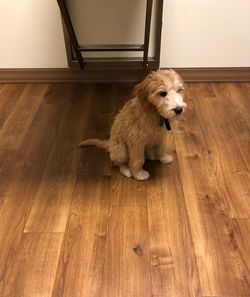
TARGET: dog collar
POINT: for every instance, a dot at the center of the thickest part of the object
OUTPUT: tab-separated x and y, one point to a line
166	123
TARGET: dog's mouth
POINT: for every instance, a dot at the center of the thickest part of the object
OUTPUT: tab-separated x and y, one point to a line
166	115
173	113
170	113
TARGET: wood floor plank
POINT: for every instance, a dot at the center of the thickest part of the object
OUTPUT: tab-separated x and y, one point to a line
80	268
127	191
32	270
20	177
127	267
51	206
18	122
16	164
56	93
231	98
95	161
247	88
239	235
228	165
182	233
221	269
9	95
173	264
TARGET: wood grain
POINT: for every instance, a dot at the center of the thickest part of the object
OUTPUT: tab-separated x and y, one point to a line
237	115
127	191
9	95
227	163
127	268
81	263
31	272
51	206
239	234
20	177
18	122
173	265
217	257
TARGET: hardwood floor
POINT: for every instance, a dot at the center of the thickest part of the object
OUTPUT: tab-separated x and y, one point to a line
72	226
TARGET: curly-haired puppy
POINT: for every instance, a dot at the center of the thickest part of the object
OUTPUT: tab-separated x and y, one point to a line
139	129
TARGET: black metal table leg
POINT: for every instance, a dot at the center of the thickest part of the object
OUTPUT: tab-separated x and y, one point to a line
129	47
147	33
71	32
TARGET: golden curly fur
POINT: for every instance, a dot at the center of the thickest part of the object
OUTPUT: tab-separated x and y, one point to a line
137	130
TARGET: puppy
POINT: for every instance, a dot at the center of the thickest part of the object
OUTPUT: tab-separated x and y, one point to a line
139	129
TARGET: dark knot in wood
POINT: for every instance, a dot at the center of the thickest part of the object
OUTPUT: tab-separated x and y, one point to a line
137	249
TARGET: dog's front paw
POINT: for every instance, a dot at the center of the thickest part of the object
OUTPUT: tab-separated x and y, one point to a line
166	159
141	175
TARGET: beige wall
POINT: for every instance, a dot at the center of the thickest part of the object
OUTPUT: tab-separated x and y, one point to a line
206	33
117	20
196	33
31	34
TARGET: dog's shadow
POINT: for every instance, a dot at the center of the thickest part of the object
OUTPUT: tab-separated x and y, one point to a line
156	169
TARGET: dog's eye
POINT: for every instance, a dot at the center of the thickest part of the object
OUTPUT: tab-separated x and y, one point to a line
163	94
180	90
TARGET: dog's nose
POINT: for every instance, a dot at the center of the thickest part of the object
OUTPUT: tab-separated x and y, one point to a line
178	110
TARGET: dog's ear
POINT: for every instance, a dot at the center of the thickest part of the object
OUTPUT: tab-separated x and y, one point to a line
177	75
142	91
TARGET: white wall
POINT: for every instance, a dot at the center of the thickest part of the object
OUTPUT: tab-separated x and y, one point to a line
196	33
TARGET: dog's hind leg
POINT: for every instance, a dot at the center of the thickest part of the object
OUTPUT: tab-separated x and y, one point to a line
118	152
119	156
136	161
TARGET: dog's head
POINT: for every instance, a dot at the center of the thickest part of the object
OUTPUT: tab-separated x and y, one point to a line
165	90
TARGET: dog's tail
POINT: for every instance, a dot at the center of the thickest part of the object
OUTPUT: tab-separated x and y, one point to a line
104	144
